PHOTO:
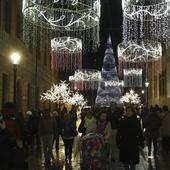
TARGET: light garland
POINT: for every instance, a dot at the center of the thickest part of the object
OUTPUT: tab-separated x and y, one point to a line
61	15
62	93
145	21
132	71
113	83
66	53
66	44
131	97
132	77
86	75
145	52
85	79
37	30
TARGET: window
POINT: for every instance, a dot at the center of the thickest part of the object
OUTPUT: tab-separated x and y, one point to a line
7	15
5	89
19	25
28	95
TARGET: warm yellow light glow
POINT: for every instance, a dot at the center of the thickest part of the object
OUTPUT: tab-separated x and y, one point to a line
146	84
142	91
15	58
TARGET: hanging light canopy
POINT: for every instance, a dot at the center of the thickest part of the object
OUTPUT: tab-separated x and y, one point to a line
143	52
61	15
132	77
146	21
66	53
85	79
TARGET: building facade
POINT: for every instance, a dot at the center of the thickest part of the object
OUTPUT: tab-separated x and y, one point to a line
159	81
34	74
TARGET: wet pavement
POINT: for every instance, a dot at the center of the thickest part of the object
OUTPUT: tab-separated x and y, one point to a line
36	162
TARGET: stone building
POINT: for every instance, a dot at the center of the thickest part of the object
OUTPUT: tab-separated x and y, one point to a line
34	74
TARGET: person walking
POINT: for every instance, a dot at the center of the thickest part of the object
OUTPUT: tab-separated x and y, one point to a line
68	132
152	131
165	130
104	128
129	139
47	130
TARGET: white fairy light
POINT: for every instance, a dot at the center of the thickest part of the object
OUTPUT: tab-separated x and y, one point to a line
112	83
66	53
85	79
66	44
132	77
138	12
131	97
146	21
86	75
61	93
132	71
77	99
146	51
52	15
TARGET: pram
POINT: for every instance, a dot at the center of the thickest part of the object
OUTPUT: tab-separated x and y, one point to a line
93	152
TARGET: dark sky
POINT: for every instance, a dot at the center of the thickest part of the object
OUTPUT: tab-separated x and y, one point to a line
110	24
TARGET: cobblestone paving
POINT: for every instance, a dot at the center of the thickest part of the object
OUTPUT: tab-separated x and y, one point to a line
36	162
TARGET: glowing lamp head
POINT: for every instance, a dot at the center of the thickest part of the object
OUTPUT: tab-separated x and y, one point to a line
15	58
146	84
142	91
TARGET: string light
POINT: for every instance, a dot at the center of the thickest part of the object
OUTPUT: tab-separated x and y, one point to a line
61	93
146	51
85	79
146	21
131	97
66	53
61	15
132	77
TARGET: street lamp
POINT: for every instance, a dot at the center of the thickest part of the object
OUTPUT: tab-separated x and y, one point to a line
15	58
142	91
147	85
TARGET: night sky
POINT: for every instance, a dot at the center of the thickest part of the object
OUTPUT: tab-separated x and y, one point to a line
110	24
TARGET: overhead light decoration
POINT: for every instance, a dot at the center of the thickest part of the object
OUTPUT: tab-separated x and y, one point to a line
61	93
132	77
66	53
113	83
46	19
143	52
131	97
85	79
53	14
146	20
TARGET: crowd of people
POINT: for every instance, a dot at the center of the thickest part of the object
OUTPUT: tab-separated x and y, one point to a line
129	129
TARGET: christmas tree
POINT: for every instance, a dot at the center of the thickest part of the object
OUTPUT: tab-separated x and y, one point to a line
107	94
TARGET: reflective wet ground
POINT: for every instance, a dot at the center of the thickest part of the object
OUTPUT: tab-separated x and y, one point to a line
36	162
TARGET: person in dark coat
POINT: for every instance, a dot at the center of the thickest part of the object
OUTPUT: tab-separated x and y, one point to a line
152	131
47	130
68	132
11	152
129	139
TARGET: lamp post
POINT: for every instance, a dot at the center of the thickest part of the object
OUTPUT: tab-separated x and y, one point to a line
15	58
146	86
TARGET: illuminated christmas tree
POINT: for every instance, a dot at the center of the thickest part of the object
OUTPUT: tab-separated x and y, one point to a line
106	93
